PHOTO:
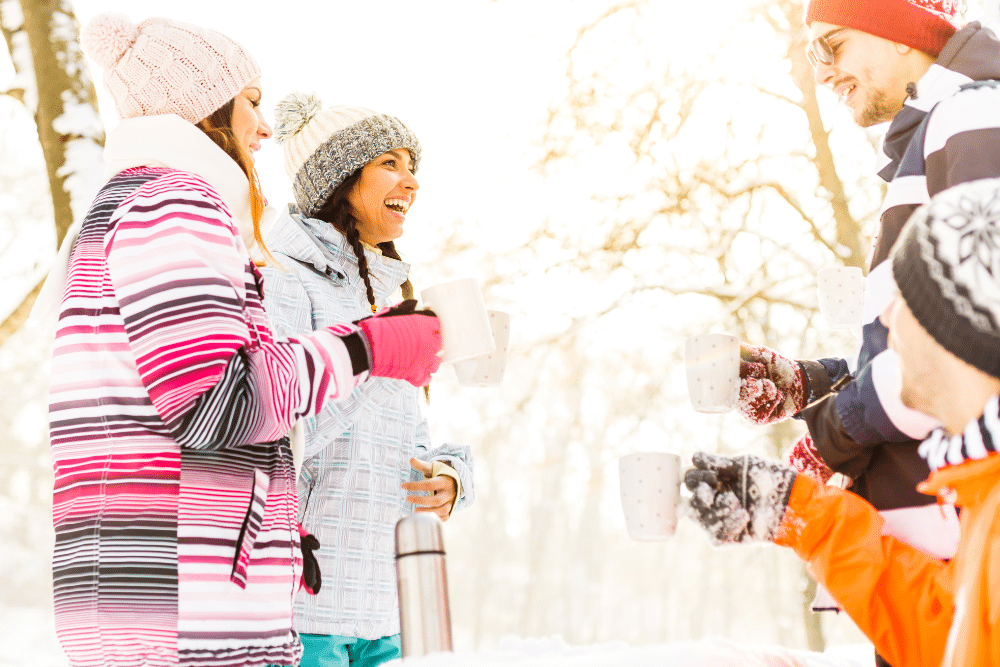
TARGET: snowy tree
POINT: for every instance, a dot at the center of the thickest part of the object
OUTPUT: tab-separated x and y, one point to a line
54	84
705	180
48	180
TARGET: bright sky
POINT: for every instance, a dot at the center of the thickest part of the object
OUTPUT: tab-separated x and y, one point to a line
472	78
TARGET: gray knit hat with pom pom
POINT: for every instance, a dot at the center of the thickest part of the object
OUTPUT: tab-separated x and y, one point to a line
324	146
163	66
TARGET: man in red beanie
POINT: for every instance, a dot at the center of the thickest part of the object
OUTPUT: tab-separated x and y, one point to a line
902	62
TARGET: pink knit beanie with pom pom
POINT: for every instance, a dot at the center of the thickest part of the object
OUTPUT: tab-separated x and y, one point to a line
162	66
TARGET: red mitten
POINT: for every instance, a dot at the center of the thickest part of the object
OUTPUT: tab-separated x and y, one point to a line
804	458
772	387
404	346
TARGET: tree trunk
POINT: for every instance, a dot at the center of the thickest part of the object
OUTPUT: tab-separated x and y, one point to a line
14	321
813	620
848	230
55	85
63	82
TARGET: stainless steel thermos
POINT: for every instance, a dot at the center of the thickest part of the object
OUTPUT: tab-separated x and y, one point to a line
424	618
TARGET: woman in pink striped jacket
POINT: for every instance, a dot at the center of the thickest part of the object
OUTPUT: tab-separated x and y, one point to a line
174	502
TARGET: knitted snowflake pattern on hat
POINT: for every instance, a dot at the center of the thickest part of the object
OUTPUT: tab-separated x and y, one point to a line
947	267
945	8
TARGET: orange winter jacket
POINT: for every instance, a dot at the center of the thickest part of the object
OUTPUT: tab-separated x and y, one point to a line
917	610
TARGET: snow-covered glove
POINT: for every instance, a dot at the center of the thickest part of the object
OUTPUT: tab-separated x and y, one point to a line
404	343
312	580
772	386
739	498
804	458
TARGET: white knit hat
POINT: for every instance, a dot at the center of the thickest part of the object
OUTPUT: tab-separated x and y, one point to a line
323	147
163	66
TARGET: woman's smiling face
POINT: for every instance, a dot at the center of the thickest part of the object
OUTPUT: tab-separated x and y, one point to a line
382	195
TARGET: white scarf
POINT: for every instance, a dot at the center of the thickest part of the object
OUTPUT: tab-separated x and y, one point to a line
154	141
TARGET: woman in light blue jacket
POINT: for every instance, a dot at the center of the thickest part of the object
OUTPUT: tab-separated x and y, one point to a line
368	460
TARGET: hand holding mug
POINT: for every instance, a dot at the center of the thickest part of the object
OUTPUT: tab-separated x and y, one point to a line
404	343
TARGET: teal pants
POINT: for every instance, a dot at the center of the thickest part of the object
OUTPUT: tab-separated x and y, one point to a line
337	651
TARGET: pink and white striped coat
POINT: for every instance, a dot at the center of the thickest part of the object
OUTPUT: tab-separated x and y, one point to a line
175	502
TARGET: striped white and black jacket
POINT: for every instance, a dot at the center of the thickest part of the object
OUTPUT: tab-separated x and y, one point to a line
174	502
864	431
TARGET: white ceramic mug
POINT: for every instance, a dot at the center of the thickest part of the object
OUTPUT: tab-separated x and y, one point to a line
713	371
841	292
465	326
650	490
487	370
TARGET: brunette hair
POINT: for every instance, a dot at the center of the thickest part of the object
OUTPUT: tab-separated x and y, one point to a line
219	128
337	211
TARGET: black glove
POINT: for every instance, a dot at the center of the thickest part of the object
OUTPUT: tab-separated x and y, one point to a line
312	579
739	498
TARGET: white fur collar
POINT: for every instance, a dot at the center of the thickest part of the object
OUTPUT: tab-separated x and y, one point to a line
172	142
154	141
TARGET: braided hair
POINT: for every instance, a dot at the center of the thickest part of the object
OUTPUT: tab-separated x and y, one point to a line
337	211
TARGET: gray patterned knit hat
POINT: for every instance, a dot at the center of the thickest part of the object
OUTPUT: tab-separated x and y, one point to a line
947	266
324	146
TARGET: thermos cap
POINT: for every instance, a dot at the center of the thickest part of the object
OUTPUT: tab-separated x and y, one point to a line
419	533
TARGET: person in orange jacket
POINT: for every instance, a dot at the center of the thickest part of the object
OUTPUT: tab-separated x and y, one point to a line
945	325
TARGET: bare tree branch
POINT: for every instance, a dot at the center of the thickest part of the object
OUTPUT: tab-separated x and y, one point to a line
20	315
16	93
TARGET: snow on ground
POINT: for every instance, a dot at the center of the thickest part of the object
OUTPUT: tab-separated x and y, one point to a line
711	652
27	639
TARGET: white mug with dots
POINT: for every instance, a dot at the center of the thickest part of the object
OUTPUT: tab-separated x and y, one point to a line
465	327
841	292
713	371
650	490
487	370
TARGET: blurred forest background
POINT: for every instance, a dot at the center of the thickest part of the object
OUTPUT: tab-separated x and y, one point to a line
694	180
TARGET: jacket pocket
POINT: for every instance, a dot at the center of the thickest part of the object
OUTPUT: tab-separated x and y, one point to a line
250	528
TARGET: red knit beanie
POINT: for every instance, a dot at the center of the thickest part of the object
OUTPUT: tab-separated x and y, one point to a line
925	25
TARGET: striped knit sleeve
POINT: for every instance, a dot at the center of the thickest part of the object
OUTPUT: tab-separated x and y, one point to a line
180	276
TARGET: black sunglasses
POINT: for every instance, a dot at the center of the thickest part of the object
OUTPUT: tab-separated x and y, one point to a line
819	50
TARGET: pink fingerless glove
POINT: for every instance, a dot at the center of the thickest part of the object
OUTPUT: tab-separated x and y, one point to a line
772	386
804	458
404	346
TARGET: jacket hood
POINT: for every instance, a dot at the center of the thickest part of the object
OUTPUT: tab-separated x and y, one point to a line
972	54
320	247
973	51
